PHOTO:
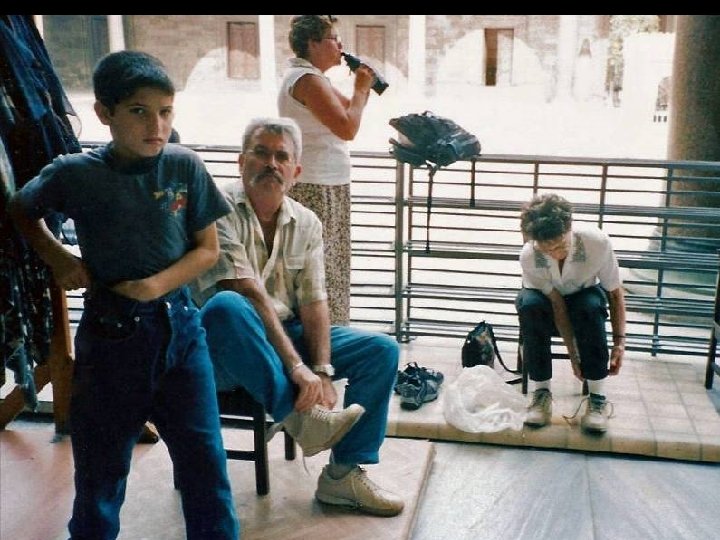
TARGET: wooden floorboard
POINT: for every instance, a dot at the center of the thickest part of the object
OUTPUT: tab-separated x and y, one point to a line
36	492
488	492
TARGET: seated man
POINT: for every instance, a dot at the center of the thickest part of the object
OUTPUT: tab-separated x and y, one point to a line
264	306
565	273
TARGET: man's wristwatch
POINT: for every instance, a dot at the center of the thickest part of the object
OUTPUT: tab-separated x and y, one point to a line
324	369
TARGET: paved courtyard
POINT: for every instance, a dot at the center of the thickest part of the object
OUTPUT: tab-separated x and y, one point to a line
514	120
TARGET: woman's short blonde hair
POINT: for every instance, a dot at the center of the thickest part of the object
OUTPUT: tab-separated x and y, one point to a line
304	28
545	217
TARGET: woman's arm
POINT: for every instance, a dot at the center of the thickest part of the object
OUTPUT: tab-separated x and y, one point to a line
341	115
562	322
616	301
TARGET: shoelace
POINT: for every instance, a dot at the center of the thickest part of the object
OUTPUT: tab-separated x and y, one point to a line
277	426
596	405
539	399
364	479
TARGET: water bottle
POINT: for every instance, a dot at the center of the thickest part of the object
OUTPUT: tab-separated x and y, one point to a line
353	62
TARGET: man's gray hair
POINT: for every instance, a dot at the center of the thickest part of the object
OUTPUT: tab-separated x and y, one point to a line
278	125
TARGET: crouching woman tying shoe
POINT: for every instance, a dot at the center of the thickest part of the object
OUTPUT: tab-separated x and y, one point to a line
569	277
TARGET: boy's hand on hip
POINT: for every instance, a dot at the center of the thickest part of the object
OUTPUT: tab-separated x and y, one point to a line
70	273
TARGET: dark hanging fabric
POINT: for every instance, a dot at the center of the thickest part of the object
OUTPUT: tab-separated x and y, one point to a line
34	128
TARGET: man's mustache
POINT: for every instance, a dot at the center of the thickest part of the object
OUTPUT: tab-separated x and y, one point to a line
269	171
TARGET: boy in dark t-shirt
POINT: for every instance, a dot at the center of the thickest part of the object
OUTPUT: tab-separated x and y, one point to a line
145	216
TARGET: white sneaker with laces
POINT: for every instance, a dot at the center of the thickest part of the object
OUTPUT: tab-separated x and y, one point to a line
356	490
595	419
539	412
318	429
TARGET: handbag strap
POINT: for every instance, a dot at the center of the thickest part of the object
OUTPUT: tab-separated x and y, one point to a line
502	363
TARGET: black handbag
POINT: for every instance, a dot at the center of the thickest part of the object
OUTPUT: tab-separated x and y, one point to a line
480	349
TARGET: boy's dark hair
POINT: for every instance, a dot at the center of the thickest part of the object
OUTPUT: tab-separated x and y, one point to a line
119	75
308	27
545	217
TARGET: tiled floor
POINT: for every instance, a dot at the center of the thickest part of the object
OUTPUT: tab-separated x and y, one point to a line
661	408
473	491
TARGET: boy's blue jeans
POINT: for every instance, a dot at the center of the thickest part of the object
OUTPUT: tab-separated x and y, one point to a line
587	310
137	361
243	356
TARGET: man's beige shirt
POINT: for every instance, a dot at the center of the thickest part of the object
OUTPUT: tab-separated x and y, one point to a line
293	274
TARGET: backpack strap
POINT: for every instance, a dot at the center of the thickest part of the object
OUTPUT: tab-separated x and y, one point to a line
433	169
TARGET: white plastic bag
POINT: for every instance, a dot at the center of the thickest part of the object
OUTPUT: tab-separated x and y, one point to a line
479	401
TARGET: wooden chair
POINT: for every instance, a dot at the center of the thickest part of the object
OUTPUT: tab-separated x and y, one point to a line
712	366
238	409
522	365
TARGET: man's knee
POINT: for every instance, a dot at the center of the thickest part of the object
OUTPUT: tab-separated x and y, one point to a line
389	351
385	353
226	308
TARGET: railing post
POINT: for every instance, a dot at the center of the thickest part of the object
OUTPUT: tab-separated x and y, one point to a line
399	247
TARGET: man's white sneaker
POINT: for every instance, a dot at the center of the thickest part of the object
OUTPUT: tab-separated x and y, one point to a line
595	419
319	429
356	490
539	412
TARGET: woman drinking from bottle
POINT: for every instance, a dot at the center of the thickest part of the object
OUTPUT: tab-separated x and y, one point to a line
328	120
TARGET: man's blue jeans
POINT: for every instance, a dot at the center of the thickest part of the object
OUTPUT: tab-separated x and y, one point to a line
243	356
587	310
137	361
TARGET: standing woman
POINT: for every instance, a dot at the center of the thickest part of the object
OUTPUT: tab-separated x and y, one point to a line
328	119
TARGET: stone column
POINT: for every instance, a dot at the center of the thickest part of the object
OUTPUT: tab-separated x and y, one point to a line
695	94
416	55
694	124
566	52
266	26
116	33
694	129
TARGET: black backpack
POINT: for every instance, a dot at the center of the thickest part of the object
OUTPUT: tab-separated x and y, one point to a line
433	141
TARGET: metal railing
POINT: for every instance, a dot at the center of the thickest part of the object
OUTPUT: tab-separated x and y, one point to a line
663	217
438	273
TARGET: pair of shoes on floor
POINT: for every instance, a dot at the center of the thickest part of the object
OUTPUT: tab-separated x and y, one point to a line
319	428
356	490
417	385
416	391
595	419
412	371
